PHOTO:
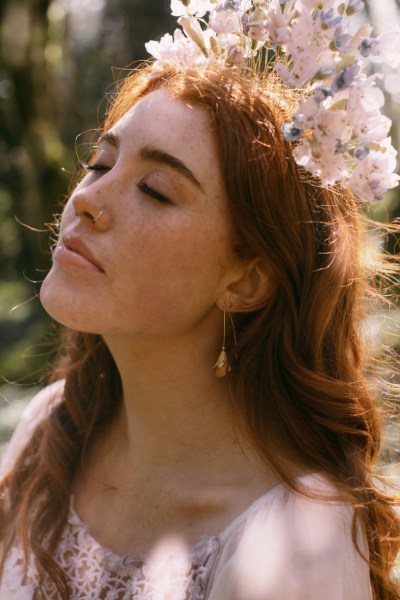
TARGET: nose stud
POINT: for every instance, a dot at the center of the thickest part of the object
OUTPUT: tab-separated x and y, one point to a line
85	212
98	217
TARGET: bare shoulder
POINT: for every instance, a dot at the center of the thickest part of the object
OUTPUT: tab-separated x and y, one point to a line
294	546
37	410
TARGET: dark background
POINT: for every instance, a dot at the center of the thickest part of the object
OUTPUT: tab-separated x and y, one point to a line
58	59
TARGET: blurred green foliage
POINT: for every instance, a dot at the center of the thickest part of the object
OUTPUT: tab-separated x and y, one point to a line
58	58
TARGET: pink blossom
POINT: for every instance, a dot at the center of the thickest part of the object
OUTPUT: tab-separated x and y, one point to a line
278	21
254	25
329	167
363	107
225	21
329	127
374	174
304	66
305	113
389	46
193	30
339	123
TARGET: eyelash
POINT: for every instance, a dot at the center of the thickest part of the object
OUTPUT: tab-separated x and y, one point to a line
143	187
95	167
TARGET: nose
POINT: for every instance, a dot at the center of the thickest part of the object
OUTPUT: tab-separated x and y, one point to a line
90	209
85	213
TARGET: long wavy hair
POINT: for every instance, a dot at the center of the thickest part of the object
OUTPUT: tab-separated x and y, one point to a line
298	384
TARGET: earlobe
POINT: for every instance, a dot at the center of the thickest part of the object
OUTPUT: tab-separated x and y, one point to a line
250	292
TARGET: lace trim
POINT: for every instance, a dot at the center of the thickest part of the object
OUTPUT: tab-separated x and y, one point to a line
96	572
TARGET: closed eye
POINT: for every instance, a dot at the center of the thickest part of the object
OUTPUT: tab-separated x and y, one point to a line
94	167
143	187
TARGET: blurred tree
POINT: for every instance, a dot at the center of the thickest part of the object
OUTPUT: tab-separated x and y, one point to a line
55	59
30	155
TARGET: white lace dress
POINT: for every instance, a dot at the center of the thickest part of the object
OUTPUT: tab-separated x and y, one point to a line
283	547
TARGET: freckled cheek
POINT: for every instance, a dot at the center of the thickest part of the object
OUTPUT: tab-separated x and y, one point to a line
157	257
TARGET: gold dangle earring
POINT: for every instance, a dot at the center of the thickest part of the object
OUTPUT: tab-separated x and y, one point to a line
222	366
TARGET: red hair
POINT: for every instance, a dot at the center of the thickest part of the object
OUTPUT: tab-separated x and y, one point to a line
297	385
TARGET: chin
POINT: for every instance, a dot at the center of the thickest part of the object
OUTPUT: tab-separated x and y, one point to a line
62	306
56	307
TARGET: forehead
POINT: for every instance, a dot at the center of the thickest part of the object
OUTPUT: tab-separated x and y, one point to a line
171	124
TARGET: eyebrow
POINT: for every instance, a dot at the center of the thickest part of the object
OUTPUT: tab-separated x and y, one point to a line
153	154
109	138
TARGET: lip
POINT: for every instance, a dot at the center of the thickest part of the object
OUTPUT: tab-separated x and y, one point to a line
73	249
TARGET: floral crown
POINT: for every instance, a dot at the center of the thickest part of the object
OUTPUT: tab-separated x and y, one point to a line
315	46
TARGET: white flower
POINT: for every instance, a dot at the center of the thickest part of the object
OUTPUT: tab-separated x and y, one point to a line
389	46
193	30
307	47
363	108
305	113
375	126
320	154
342	130
329	167
195	8
374	174
329	127
178	47
363	92
258	32
254	24
305	64
278	21
226	40
299	37
163	47
225	21
229	49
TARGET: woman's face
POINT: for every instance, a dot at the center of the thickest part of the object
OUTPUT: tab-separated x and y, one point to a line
160	253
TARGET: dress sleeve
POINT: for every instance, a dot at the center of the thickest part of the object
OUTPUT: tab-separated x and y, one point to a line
37	410
293	548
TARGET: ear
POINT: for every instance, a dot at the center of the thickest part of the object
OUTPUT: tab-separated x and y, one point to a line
248	293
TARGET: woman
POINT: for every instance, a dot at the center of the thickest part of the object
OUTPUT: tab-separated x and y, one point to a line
195	240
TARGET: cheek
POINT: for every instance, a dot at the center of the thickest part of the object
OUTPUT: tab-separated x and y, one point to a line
186	252
166	268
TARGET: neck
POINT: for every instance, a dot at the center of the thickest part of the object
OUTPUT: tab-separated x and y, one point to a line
173	405
176	426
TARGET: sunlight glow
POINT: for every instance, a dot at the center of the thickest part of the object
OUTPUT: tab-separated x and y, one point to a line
85	17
